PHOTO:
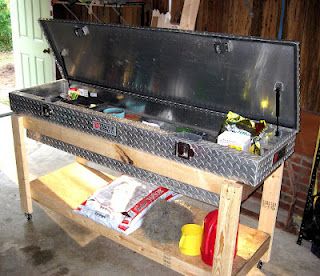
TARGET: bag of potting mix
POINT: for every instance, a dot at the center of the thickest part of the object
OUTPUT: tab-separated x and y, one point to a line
122	204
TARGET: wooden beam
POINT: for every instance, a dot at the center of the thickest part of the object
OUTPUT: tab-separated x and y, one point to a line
21	162
228	221
140	159
189	15
155	18
80	234
269	206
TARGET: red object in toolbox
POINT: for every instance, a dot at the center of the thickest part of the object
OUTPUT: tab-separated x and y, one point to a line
209	237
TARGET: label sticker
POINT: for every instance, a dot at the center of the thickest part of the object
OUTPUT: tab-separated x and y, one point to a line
269	205
166	260
108	129
83	92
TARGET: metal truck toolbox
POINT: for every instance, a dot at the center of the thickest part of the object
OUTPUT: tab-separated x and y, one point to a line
184	80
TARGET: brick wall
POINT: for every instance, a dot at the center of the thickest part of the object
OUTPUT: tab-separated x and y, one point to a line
295	182
297	171
302	159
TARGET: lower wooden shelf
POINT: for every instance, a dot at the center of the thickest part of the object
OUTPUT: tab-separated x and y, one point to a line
63	190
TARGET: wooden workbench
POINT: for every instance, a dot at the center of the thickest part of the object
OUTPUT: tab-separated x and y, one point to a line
64	189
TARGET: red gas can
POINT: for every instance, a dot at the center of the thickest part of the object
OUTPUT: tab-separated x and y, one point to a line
209	237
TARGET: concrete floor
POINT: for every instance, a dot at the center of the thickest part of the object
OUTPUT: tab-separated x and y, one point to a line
51	245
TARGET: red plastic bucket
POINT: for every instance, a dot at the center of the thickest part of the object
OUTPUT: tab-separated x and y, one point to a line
209	237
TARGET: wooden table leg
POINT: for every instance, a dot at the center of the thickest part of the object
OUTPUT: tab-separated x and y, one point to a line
228	221
269	206
22	164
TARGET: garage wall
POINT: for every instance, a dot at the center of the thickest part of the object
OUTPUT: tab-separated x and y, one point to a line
103	14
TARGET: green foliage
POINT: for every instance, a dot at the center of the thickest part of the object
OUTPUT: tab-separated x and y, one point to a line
5	27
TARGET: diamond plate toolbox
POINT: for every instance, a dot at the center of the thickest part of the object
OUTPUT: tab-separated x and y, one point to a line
175	88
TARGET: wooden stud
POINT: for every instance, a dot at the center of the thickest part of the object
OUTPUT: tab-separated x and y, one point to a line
269	206
155	18
189	15
228	221
21	162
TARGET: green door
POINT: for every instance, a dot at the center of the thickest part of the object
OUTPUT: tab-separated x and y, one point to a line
34	65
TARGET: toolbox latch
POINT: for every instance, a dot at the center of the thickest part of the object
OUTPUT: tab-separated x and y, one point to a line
184	150
279	155
222	47
46	110
81	31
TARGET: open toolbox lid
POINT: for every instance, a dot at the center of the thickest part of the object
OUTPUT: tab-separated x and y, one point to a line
205	70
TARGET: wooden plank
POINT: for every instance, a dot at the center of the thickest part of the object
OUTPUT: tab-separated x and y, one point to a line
21	163
105	176
64	189
228	221
239	21
245	247
189	15
155	18
81	160
80	234
302	23
176	11
271	19
257	9
269	206
128	155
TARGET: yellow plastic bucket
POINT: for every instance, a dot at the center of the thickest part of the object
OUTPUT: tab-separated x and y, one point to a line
190	241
